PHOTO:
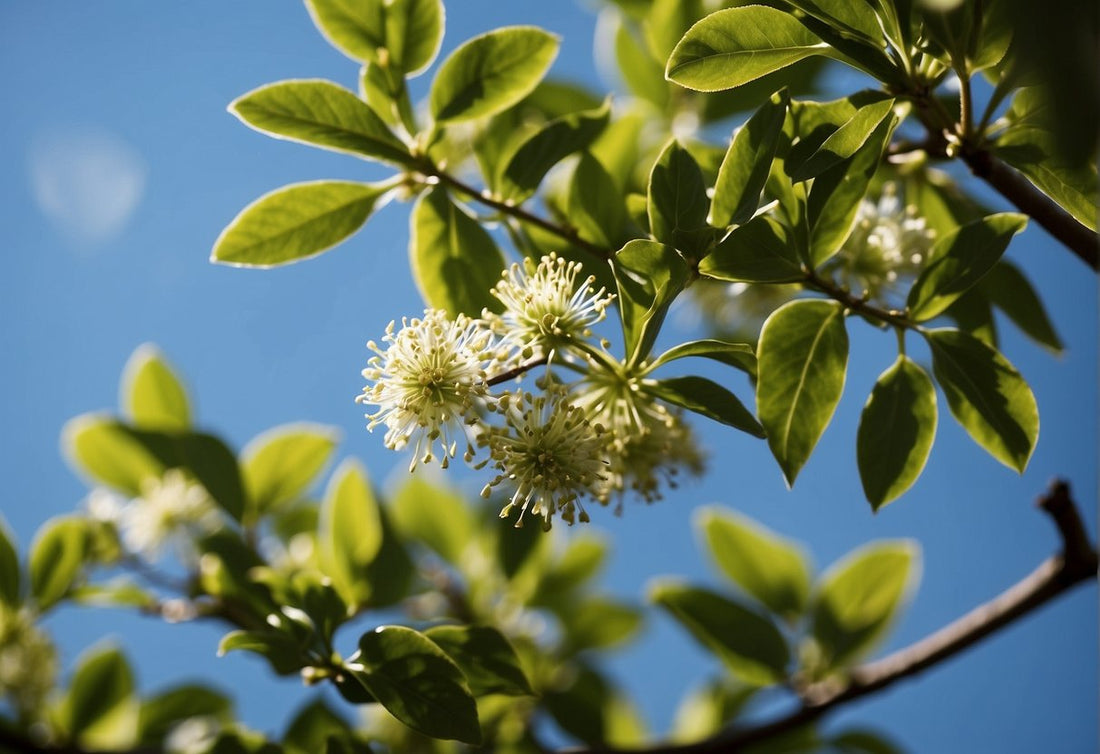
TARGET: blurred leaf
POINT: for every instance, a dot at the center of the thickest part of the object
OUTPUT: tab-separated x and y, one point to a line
593	711
959	260
417	683
845	141
115	593
859	597
749	644
803	361
100	709
11	588
351	532
321	114
391	571
163	711
491	72
313	725
770	568
707	710
896	431
279	465
708	398
643	74
986	395
665	23
747	163
677	202
737	355
859	741
759	251
973	313
414	32
281	650
1011	292
108	453
376	88
454	260
152	395
485	657
649	276
583	559
432	513
594	204
56	558
296	222
598	623
618	150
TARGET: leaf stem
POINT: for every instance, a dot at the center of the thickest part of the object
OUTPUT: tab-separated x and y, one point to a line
835	292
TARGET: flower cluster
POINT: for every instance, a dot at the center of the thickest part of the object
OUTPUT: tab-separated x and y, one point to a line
28	661
433	386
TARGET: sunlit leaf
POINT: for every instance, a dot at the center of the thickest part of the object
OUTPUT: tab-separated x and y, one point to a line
649	276
101	710
279	465
737	355
708	398
488	661
761	251
56	558
152	394
351	532
746	165
677	201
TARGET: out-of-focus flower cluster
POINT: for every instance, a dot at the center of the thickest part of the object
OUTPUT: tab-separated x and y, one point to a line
28	661
440	383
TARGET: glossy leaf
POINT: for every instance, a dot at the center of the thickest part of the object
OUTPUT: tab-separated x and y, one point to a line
649	276
855	18
488	661
454	260
737	355
760	251
594	204
708	398
152	395
803	359
737	45
430	512
677	201
959	260
747	163
1011	292
859	597
11	588
56	558
101	710
491	72
772	569
749	644
279	465
417	683
845	141
986	395
296	222
351	532
280	650
896	431
321	114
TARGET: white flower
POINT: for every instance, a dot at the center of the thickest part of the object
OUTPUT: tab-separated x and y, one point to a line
549	453
169	505
430	383
544	306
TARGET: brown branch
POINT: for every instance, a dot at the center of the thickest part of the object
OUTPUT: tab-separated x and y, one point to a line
1076	563
855	303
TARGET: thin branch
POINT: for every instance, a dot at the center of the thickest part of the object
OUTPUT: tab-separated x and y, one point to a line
1077	563
516	371
856	304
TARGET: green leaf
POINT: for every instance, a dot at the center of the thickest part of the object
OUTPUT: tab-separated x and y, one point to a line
643	74
10	578
152	394
737	45
708	398
454	260
356	28
491	72
435	514
845	141
649	276
959	260
488	661
163	711
760	251
737	355
414	32
749	644
598	623
321	114
1009	290
392	570
312	727
595	205
417	683
772	569
853	18
666	22
115	593
593	711
973	314
582	560
281	650
896	431
986	395
705	711
101	710
351	532
108	453
279	465
548	146
859	597
296	222
803	359
377	89
402	34
56	558
860	741
748	161
677	202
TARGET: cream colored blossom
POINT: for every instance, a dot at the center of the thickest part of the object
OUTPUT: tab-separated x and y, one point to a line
170	505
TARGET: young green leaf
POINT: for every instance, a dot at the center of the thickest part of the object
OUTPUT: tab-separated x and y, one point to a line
101	709
803	359
760	251
856	19
417	683
737	355
595	205
745	168
649	276
488	661
859	597
279	465
402	34
845	141
708	398
11	588
1011	292
434	514
598	623
959	260
281	650
351	532
356	28
152	394
296	222
896	431
454	260
737	45
986	395
322	114
491	72
749	644
377	89
773	570
108	453
677	202
56	558
414	32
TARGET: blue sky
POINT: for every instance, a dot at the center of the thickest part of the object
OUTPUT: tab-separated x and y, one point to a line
122	166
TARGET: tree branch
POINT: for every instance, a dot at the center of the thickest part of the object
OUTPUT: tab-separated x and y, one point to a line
1076	563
